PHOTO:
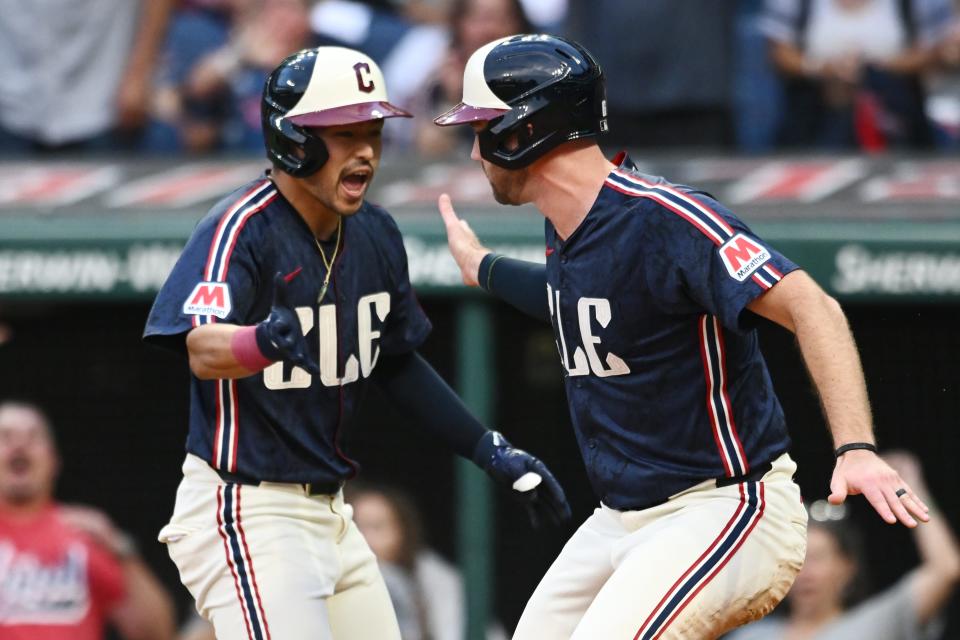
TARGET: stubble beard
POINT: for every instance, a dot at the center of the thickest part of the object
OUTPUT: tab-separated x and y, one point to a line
328	197
507	185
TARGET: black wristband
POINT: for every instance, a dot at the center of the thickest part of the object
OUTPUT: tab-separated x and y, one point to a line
854	445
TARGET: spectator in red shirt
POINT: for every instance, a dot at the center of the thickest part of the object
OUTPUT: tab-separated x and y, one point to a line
65	571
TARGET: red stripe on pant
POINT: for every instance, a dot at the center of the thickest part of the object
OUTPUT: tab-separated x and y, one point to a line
226	549
253	575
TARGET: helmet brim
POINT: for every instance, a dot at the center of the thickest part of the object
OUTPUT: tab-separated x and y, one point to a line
464	113
349	114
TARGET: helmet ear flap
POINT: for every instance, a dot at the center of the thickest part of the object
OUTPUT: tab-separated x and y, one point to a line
295	150
292	149
538	132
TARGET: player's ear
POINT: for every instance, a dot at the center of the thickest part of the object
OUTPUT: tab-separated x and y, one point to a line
512	142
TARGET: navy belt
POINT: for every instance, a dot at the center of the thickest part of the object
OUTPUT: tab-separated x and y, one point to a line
754	476
312	488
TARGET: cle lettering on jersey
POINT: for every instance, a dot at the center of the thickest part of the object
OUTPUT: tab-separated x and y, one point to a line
354	367
586	360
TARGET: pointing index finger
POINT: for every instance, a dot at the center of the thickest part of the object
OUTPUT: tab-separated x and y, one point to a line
446	210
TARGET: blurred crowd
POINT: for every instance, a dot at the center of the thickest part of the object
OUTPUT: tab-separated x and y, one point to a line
185	76
68	571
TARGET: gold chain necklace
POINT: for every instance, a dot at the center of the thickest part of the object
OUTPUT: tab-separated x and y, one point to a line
333	259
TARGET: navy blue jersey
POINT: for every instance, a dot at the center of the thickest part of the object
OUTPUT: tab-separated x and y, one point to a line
283	424
666	384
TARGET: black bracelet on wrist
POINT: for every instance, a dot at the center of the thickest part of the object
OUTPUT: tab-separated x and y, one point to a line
854	445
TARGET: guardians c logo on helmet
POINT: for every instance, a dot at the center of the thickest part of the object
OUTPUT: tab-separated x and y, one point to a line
320	87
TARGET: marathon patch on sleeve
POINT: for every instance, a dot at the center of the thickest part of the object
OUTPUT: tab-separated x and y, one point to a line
209	299
742	256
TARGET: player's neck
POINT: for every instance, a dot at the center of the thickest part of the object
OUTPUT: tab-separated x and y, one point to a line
568	185
321	220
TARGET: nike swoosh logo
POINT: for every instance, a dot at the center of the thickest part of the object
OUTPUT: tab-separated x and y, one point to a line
293	274
549	251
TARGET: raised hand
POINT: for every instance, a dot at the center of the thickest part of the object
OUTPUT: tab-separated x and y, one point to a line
864	472
280	336
464	245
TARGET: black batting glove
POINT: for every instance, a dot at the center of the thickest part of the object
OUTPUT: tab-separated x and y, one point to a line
280	336
529	478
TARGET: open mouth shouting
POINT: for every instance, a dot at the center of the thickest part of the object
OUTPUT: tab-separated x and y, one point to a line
353	182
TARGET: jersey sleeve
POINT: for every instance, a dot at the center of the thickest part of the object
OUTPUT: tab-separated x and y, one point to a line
407	325
214	280
699	257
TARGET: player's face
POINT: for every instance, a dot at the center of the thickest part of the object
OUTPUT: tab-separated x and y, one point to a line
28	460
342	182
825	574
508	184
378	523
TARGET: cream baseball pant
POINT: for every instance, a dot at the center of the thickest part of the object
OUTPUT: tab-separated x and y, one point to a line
270	562
706	561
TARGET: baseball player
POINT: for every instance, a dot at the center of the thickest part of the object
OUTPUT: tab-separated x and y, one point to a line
652	290
291	296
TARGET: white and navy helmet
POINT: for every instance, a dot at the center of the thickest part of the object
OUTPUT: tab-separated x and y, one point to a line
545	81
319	87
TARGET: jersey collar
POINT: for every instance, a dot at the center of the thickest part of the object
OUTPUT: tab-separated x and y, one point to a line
623	161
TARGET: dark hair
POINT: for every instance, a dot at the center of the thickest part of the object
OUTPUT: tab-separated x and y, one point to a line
849	542
405	511
459	9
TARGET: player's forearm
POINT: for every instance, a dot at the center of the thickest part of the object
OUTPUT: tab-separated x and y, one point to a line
831	356
147	612
519	283
211	352
420	393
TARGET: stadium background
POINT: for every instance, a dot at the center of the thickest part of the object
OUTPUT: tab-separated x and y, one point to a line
884	237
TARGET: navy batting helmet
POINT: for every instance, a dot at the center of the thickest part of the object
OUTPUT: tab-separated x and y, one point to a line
548	82
319	87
